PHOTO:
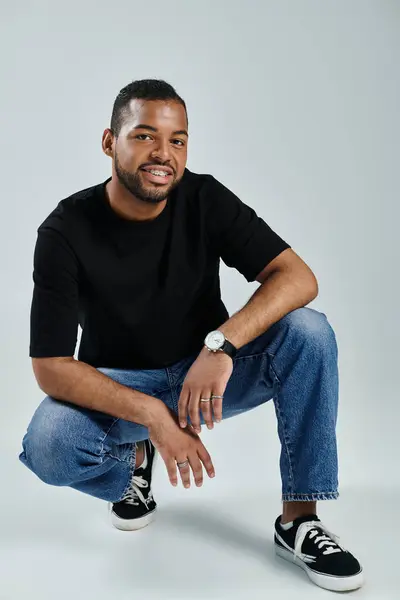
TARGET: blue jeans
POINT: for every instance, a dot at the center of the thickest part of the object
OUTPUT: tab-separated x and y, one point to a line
294	363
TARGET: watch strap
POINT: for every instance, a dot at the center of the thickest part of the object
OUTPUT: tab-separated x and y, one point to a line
229	349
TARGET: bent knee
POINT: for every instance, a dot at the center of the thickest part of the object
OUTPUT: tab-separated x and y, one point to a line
310	325
50	448
38	455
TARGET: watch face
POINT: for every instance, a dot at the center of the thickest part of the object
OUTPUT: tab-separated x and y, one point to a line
215	340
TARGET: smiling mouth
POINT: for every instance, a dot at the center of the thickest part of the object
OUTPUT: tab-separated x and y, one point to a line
160	175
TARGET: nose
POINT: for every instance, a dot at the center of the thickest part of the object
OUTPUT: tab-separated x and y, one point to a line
162	151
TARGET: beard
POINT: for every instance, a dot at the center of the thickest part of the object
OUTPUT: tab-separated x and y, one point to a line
134	184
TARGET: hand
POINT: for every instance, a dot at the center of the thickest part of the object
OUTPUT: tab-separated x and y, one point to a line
179	445
208	376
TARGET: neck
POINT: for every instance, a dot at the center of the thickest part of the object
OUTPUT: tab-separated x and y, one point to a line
128	206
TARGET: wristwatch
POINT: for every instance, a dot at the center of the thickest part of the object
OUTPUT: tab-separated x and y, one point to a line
216	342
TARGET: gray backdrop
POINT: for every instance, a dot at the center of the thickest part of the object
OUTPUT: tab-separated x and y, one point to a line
295	107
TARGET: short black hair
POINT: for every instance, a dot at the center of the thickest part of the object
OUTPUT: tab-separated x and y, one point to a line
147	89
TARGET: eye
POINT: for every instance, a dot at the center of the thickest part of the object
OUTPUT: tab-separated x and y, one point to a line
142	135
180	142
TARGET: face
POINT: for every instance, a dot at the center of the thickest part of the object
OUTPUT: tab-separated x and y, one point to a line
150	152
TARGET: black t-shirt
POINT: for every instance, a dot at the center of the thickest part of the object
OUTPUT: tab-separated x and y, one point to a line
145	293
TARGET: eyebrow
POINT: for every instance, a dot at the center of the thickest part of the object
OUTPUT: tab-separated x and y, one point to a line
144	126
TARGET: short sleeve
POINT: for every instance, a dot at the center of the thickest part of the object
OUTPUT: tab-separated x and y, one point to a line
242	238
54	309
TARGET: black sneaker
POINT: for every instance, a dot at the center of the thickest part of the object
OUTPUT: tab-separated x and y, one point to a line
138	507
312	547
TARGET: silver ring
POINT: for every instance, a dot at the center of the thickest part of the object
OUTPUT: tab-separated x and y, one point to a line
212	397
183	464
205	399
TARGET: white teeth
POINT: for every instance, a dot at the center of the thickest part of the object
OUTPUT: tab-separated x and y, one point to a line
159	173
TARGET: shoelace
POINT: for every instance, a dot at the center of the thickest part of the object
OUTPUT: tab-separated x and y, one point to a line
328	539
134	494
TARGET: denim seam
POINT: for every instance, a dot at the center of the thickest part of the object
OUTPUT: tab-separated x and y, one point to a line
272	356
285	438
174	395
311	493
105	436
281	419
315	496
109	455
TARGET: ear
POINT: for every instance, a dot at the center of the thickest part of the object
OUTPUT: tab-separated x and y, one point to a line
107	142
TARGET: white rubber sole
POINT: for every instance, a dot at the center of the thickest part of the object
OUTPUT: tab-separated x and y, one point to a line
131	524
134	524
328	582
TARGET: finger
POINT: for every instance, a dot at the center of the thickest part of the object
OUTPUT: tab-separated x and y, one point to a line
217	403
217	408
183	406
190	429
170	463
185	473
206	460
206	409
194	410
197	469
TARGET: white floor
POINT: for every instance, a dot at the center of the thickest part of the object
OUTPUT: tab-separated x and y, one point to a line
214	542
57	543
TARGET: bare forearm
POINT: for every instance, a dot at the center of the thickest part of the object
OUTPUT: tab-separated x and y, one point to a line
283	291
79	383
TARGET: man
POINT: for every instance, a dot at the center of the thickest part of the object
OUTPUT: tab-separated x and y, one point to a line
135	260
